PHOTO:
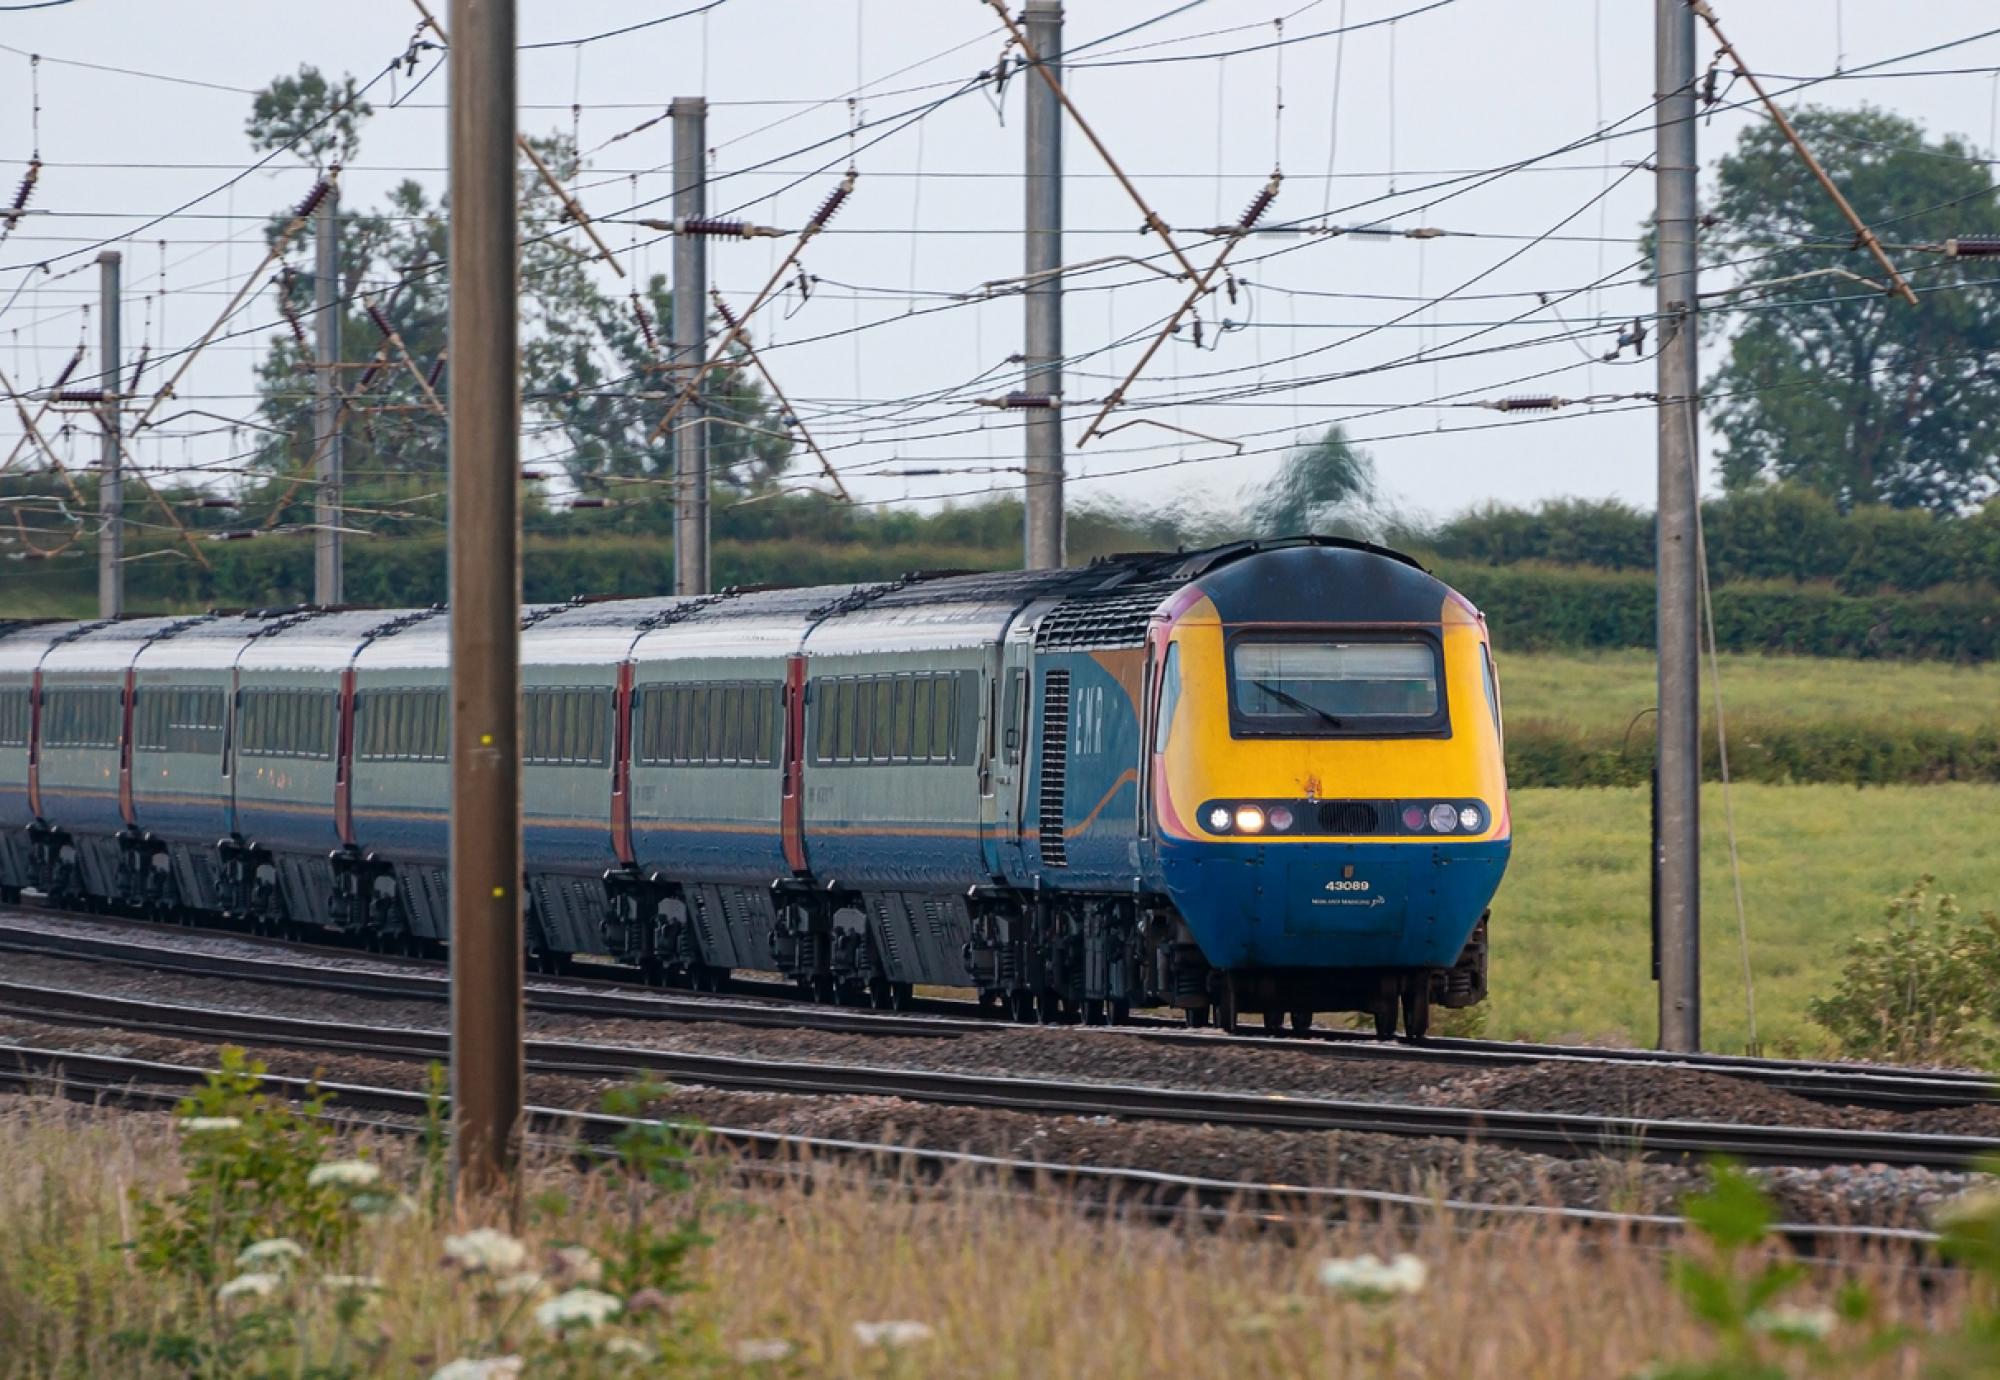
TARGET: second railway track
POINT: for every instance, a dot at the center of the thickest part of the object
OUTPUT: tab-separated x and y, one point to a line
54	934
1542	1132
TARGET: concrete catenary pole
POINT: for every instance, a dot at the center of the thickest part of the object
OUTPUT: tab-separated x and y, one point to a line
328	517
485	525
690	344
1042	427
110	474
1677	818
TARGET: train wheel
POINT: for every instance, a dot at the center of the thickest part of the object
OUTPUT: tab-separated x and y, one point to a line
1274	1022
1121	1011
1021	1006
822	988
902	995
1197	1017
1384	1012
1048	1008
1302	1022
879	995
1093	1011
988	1000
1417	1008
1225	1009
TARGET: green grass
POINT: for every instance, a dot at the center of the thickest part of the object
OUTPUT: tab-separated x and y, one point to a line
1571	946
1601	691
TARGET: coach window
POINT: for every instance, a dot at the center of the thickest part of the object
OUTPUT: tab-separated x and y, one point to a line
885	718
905	691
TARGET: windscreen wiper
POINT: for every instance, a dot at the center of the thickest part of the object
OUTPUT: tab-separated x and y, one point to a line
1287	697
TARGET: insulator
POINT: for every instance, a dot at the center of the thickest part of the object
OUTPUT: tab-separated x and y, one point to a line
27	188
298	329
722	310
1255	210
437	368
719	229
313	199
1973	246
590	503
217	503
1423	232
645	323
139	368
832	204
381	321
242	534
1025	402
1541	403
68	369
77	395
532	474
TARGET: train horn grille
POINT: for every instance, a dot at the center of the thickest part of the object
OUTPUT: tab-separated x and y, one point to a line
1350	817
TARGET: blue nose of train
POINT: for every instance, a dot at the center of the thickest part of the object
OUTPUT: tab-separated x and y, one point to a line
1332	905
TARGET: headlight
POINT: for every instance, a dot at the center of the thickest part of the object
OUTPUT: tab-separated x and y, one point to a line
1249	820
1444	818
1469	820
1218	819
1281	818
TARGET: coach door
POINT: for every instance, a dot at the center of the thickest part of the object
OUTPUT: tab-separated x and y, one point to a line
1005	768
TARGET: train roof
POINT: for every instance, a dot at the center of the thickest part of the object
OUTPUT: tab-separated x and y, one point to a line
114	646
23	645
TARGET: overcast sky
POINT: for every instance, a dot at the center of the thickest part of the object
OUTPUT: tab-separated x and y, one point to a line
1463	87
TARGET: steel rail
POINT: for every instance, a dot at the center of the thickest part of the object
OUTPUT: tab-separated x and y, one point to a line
1877	1086
97	1079
1552	1133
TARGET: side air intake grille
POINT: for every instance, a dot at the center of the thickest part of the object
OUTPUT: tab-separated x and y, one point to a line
1350	817
1055	765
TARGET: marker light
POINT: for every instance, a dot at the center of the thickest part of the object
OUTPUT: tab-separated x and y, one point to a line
1413	818
1281	819
1444	818
1249	820
1218	819
1468	819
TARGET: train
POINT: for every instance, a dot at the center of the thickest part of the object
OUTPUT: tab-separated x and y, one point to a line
1261	778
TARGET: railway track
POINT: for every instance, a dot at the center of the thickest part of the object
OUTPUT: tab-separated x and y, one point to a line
146	945
1132	1193
1564	1134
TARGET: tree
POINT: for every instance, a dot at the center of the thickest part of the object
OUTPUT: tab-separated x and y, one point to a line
1830	382
1328	486
593	386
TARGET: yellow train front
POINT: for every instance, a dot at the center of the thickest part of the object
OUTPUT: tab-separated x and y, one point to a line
1328	793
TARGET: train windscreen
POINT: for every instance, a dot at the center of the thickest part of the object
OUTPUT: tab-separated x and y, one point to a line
1296	687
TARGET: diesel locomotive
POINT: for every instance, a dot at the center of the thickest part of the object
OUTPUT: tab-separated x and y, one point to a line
1265	777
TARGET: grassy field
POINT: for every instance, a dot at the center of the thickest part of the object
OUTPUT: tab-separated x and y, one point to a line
1600	692
1570	926
982	1284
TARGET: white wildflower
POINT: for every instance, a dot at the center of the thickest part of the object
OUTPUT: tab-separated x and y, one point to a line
353	1284
629	1348
575	1263
578	1308
196	1125
487	1250
279	1250
514	1286
1367	1278
1788	1324
254	1285
893	1333
479	1368
760	1351
344	1174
